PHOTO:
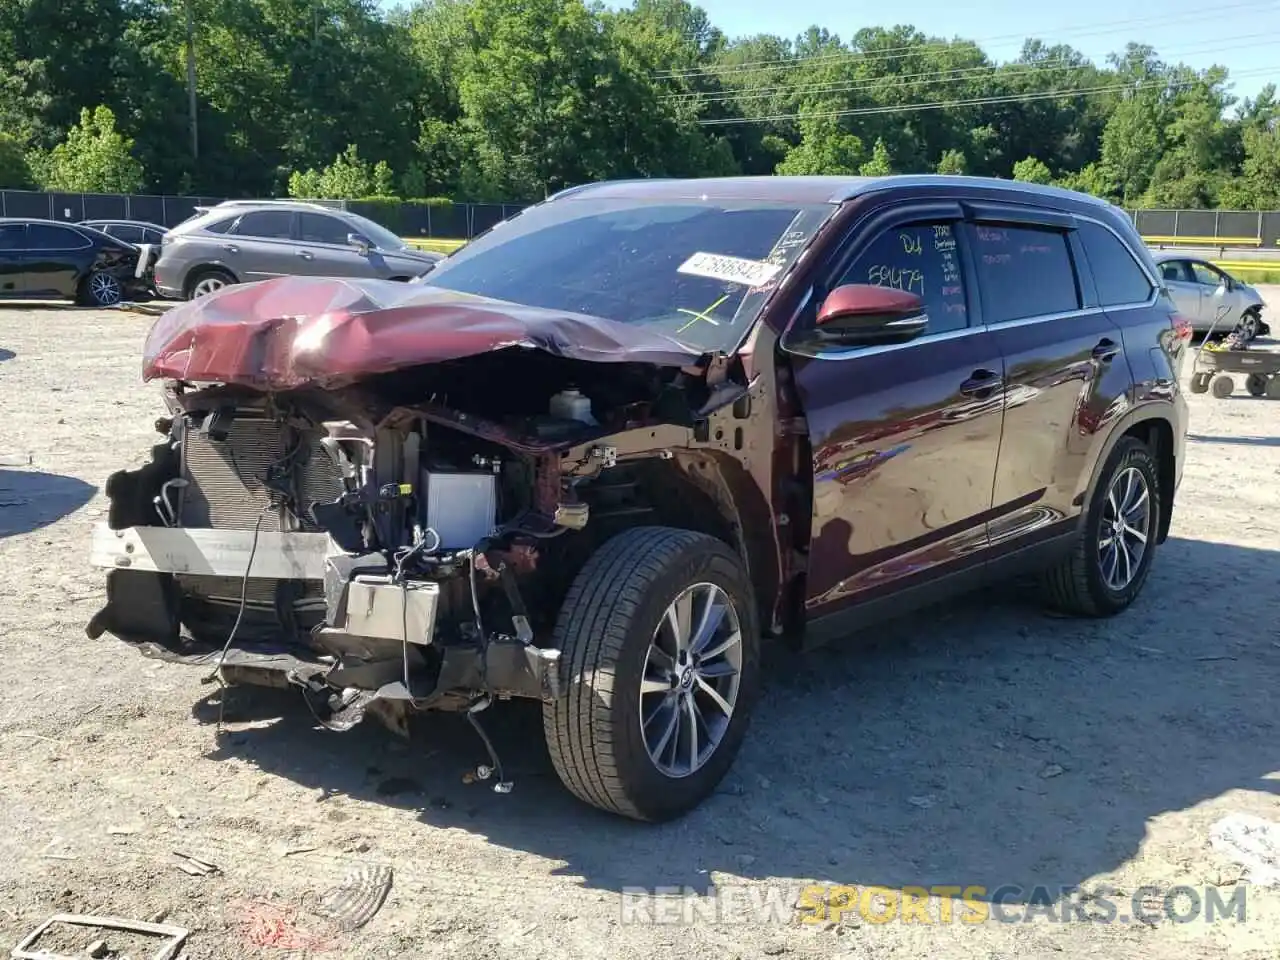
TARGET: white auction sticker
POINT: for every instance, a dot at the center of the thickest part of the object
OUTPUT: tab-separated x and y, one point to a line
752	273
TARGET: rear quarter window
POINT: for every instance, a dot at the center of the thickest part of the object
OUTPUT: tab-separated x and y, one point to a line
1023	272
1116	274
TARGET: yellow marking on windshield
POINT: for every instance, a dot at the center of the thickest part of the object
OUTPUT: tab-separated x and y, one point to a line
701	314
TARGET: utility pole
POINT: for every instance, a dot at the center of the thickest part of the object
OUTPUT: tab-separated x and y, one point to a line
191	82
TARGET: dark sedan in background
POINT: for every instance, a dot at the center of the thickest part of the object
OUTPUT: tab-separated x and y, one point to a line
44	259
131	231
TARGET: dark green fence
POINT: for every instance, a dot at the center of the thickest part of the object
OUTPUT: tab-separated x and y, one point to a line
462	221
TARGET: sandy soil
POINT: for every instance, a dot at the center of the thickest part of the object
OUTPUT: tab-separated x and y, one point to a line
980	744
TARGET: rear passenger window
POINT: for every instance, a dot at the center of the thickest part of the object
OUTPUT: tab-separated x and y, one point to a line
1116	273
267	224
921	259
1024	272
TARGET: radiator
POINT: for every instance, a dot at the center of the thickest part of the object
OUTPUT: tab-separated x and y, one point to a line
225	491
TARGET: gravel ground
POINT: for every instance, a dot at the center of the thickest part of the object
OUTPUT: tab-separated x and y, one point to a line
981	744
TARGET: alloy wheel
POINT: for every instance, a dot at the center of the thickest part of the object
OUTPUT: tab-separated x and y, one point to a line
1126	528
692	673
207	286
105	289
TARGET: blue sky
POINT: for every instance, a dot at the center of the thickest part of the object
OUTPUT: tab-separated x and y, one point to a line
1238	35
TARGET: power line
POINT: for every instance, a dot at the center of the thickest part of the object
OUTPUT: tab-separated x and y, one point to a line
891	81
788	63
972	102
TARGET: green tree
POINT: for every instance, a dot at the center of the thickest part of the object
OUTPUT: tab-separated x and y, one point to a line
15	174
94	158
823	149
1032	170
880	164
953	162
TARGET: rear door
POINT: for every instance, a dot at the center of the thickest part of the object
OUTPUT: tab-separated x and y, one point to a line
261	246
57	259
1064	363
1215	297
13	263
904	437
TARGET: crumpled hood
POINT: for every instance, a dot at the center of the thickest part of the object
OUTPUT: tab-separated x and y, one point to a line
292	332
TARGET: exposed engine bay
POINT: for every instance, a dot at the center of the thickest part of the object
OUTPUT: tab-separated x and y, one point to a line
403	542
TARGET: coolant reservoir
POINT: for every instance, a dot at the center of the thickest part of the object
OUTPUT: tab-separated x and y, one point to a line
570	404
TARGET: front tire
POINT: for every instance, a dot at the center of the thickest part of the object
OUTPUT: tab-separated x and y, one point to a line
101	289
1108	567
1250	325
660	654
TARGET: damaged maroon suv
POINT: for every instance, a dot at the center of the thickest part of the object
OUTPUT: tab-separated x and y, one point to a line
608	448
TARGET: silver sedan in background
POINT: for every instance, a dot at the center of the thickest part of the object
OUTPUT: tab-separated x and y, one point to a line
1210	297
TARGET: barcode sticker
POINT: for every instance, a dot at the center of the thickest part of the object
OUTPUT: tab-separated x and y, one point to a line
751	273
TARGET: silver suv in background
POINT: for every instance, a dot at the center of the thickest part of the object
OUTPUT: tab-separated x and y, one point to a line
241	241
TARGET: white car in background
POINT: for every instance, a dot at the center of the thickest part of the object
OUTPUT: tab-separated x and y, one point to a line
1210	297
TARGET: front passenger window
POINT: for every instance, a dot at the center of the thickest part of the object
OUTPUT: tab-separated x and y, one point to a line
922	259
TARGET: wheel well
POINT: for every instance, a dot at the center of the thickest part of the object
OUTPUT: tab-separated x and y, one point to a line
1157	434
692	496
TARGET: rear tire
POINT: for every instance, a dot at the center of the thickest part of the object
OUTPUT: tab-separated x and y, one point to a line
1256	384
206	281
1082	584
613	629
1223	387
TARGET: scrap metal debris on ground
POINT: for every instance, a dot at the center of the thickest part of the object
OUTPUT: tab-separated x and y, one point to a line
353	902
174	936
267	924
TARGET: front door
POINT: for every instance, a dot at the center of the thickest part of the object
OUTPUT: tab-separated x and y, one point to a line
323	250
904	437
56	256
1183	290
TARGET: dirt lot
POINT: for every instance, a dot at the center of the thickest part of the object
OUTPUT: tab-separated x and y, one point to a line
982	744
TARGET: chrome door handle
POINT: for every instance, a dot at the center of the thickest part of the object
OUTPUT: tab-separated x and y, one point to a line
230	248
305	255
981	384
1106	350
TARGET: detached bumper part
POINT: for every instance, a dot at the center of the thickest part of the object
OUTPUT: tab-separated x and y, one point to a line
376	632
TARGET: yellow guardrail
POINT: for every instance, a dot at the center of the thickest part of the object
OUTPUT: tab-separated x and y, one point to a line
1207	241
436	244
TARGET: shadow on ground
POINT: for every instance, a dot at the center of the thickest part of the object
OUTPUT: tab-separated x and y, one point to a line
6	355
30	499
1239	441
982	743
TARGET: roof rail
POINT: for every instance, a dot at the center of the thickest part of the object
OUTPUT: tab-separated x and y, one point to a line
310	204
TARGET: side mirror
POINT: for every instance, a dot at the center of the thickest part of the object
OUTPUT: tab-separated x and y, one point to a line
361	243
1222	289
863	315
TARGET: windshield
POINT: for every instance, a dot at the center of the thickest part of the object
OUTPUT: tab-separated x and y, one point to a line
382	238
698	270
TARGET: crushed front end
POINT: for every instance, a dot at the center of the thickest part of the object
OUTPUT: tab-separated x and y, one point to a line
388	541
